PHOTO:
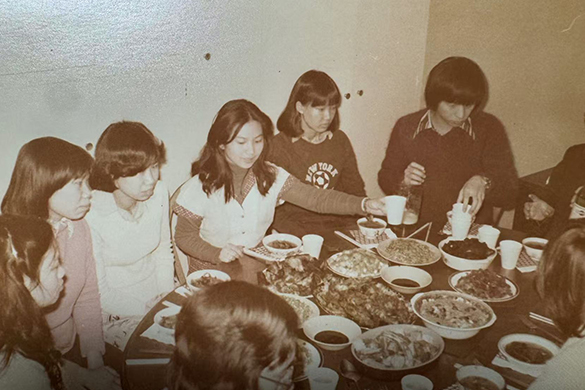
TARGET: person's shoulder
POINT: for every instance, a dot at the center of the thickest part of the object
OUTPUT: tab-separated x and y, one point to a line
409	122
102	204
575	152
192	188
485	119
340	135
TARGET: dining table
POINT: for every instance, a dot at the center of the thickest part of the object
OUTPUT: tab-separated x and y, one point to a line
146	360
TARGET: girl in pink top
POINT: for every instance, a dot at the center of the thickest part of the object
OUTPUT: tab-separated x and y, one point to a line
50	181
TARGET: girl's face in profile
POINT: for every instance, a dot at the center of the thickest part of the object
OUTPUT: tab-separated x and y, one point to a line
51	274
139	187
315	119
72	201
246	147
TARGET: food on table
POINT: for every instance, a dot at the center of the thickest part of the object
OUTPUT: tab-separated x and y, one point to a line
356	263
367	302
407	251
206	280
399	349
307	356
169	321
470	248
405	282
372	224
331	337
282	244
297	274
535	245
453	311
478	383
484	284
303	310
528	352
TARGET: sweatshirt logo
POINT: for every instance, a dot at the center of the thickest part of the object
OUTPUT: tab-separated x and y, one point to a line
320	174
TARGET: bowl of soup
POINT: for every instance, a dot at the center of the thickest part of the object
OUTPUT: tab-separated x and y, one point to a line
534	246
527	350
282	244
205	278
332	333
480	378
371	228
406	279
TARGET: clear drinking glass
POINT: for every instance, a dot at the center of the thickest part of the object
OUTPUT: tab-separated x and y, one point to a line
413	195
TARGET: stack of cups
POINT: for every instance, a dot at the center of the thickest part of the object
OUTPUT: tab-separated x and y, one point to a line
460	221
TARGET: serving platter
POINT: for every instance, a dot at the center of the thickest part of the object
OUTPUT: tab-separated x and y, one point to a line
304	308
454	279
313	359
385	250
350	264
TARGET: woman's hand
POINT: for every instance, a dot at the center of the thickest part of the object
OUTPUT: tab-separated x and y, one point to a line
414	174
231	252
537	209
472	194
375	206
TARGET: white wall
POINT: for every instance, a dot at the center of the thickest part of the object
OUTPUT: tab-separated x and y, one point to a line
70	68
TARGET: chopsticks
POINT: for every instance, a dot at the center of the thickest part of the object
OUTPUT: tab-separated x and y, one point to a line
540	318
420	229
351	240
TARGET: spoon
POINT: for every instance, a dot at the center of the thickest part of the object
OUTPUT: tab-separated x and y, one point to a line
350	372
370	218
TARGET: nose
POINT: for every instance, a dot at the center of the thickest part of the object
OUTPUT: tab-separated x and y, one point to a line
61	272
460	111
149	176
86	190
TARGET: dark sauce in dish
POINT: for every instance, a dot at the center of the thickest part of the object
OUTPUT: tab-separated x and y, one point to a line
372	224
402	282
535	245
528	352
478	383
331	337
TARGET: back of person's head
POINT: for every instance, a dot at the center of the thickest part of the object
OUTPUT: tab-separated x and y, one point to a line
456	80
43	166
561	280
314	88
124	149
212	166
227	334
24	241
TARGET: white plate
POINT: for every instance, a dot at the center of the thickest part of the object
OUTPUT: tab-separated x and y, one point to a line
350	273
311	308
314	359
385	253
453	279
166	312
527	338
199	274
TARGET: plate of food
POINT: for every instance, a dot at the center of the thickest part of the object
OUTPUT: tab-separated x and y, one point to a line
297	274
395	349
304	308
282	244
409	251
307	357
356	263
369	303
204	278
451	314
467	254
527	350
485	285
166	319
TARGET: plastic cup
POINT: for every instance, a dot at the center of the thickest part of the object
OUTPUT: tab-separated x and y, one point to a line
312	244
458	210
323	378
489	235
509	252
395	208
416	382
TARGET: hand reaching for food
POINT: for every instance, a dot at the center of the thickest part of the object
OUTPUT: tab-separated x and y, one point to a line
537	209
375	206
231	252
414	174
473	194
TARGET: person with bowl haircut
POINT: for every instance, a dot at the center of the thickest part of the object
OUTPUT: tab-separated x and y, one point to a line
452	148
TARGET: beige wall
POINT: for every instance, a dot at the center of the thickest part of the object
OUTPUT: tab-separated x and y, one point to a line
533	53
70	68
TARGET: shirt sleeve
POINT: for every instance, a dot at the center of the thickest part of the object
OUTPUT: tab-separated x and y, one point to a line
87	311
351	180
395	161
163	255
189	240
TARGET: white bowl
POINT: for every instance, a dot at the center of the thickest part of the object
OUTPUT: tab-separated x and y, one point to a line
301	305
449	332
369	231
336	323
168	312
282	237
462	264
199	274
482	372
422	277
531	251
526	338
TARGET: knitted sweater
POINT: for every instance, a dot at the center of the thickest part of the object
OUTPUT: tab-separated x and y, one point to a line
565	370
450	160
330	164
78	311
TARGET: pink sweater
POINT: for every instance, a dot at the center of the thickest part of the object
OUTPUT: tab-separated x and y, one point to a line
79	310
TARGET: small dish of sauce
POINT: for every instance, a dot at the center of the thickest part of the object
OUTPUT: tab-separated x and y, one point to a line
331	337
403	282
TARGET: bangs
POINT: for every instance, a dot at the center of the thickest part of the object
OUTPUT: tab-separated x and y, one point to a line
325	94
463	94
132	162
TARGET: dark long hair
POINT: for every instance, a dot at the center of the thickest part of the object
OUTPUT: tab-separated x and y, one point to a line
561	280
124	149
227	334
315	88
212	166
24	240
456	80
43	166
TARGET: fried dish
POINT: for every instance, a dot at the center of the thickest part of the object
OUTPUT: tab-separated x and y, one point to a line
407	251
205	281
528	352
356	263
298	274
484	284
453	311
470	248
